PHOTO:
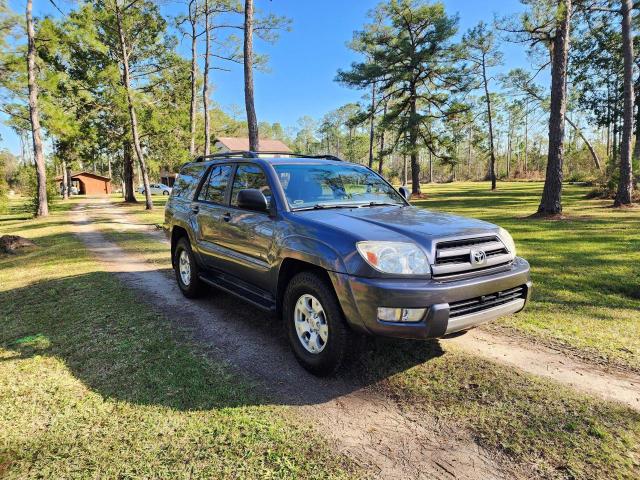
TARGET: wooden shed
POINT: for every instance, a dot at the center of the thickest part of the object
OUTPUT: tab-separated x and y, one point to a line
89	183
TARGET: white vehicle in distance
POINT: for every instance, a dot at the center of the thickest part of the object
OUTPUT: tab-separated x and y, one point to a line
156	189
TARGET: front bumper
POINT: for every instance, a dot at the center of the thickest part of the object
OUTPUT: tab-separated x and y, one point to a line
361	297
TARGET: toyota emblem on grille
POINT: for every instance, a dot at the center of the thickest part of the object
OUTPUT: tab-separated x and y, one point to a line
478	257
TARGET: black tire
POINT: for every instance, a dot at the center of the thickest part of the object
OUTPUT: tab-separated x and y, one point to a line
195	287
164	192
332	355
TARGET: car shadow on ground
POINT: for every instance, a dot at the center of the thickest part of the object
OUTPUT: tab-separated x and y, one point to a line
115	355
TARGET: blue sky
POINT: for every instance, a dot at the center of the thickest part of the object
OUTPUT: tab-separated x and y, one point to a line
304	62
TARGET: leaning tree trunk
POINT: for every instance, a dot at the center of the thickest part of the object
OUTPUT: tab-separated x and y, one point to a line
193	16
205	86
592	151
252	121
42	209
492	150
625	186
551	202
132	111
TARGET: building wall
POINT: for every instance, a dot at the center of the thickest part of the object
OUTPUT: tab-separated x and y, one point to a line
93	186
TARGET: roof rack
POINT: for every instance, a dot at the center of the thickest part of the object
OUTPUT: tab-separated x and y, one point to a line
251	154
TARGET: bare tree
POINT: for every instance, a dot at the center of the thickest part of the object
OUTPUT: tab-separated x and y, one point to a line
252	121
192	18
625	185
484	54
126	83
42	209
205	86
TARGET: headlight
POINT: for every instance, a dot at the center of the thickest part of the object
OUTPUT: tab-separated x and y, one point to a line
508	241
395	257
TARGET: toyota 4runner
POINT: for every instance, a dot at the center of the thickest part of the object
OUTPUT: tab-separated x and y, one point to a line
334	249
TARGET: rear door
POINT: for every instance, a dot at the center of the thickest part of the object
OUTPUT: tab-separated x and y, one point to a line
208	209
247	236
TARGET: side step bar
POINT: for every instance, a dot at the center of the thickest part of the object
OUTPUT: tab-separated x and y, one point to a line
261	299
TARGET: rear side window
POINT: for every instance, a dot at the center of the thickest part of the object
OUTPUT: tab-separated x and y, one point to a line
250	176
188	180
213	190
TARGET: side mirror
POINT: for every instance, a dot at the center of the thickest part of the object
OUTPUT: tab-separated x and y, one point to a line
405	192
252	199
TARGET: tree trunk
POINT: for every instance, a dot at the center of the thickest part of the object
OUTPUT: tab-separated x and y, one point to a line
127	173
526	135
252	121
469	151
430	167
372	123
42	209
551	202
132	111
65	181
193	17
413	141
492	165
625	186
384	114
636	147
205	85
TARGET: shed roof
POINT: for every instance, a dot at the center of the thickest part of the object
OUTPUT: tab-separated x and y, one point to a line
86	174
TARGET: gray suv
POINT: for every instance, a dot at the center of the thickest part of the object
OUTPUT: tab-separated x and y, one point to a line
334	249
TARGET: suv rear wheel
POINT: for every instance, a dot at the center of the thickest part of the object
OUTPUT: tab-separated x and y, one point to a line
186	268
317	331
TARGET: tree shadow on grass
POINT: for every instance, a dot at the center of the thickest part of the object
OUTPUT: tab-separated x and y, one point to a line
216	352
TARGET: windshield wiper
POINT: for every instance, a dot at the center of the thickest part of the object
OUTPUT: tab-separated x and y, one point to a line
381	204
321	206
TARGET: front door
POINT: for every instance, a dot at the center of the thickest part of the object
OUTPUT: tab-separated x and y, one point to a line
247	236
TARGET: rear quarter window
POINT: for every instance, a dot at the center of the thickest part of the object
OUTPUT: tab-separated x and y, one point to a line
187	181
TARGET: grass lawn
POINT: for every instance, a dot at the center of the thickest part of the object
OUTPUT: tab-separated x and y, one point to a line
94	384
586	268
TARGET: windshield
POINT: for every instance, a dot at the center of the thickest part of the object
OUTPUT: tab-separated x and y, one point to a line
326	186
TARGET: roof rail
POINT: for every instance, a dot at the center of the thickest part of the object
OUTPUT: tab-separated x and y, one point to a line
251	154
231	154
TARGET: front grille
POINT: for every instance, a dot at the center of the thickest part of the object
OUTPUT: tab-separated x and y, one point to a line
454	257
473	305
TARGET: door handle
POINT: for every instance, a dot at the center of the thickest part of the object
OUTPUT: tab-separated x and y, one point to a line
226	217
195	208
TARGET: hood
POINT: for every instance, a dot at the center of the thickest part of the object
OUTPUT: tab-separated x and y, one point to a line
393	223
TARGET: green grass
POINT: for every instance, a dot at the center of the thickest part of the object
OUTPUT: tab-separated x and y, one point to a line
552	430
585	268
95	384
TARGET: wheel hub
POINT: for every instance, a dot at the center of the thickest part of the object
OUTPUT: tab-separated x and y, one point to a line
311	324
184	266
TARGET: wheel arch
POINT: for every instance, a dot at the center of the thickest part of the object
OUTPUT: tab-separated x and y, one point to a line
289	268
177	232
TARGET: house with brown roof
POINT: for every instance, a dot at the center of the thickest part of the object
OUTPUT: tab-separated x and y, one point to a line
228	144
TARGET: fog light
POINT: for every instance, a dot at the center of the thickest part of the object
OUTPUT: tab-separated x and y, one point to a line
387	314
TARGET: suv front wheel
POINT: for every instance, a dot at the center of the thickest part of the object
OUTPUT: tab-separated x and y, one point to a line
316	328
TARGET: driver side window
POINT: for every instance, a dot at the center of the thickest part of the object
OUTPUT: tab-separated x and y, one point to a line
250	176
